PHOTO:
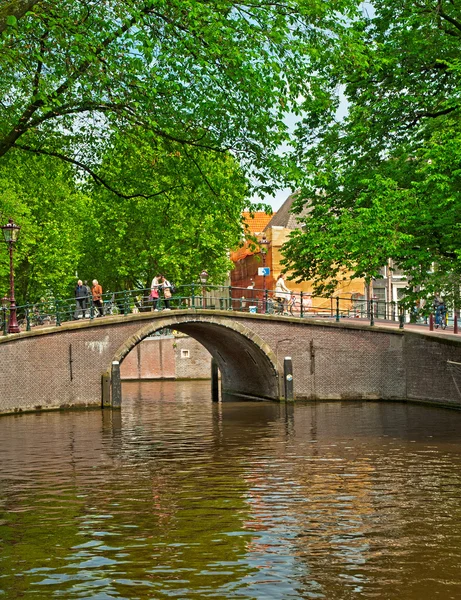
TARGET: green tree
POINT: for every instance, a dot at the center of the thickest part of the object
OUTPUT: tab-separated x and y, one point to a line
218	75
180	232
43	198
384	181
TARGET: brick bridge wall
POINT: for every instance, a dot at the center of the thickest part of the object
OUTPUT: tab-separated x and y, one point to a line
62	367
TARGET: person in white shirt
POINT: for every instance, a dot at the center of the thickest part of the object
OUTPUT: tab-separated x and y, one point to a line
154	292
282	292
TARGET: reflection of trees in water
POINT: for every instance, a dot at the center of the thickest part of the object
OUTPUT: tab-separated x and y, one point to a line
181	493
357	503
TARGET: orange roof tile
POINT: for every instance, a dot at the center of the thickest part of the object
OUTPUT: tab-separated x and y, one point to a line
257	221
240	253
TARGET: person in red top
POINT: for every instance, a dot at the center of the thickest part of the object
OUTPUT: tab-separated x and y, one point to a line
96	292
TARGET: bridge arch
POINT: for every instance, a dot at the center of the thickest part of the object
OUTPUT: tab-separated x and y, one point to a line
248	366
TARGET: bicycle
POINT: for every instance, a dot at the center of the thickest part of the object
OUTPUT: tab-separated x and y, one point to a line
440	318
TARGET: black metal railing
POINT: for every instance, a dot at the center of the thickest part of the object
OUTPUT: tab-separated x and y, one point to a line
55	311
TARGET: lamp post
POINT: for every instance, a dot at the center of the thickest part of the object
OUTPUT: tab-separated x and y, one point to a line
264	246
11	233
203	279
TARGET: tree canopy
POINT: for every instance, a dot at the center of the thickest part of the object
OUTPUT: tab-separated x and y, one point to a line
134	133
384	182
178	233
69	228
218	75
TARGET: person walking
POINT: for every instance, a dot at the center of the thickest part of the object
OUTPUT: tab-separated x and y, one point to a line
154	292
251	294
166	287
88	298
81	295
292	303
96	292
440	312
282	293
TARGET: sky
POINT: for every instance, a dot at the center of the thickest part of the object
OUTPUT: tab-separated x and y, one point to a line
278	199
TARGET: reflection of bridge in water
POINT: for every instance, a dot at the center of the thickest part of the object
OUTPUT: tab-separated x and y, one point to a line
76	364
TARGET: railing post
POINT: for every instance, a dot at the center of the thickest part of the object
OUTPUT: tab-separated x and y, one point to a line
301	310
337	309
230	297
266	297
126	304
27	318
401	317
455	323
4	320
58	315
372	313
91	308
431	322
193	296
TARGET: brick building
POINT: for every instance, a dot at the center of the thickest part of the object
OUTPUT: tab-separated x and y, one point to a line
272	232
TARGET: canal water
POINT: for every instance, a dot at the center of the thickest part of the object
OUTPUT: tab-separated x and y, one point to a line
174	497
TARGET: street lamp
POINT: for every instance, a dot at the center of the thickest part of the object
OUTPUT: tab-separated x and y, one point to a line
203	279
11	233
264	247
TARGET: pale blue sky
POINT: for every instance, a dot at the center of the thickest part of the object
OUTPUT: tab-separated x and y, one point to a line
279	197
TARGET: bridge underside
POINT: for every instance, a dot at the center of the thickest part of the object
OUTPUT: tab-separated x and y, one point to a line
246	370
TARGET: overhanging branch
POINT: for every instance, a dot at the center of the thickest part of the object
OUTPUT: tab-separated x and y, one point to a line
99	180
15	8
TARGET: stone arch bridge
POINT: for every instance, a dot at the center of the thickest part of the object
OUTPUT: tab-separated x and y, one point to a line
72	365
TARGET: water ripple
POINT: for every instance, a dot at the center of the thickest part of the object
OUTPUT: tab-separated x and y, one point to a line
177	497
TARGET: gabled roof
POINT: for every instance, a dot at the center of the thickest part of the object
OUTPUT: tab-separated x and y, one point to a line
284	218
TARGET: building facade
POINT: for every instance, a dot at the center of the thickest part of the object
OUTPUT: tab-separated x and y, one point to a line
272	232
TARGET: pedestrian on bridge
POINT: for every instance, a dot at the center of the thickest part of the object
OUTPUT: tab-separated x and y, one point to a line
96	292
282	293
166	286
440	309
154	291
81	296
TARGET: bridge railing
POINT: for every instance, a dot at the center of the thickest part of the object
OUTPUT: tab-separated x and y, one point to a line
55	311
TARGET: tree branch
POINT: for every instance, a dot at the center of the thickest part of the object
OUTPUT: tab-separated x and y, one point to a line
99	180
431	115
451	20
16	8
23	124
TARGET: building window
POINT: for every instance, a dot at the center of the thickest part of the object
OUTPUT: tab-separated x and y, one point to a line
185	353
